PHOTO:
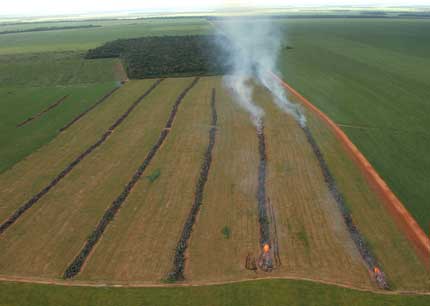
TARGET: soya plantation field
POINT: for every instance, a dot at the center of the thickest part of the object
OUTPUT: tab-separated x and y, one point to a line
110	181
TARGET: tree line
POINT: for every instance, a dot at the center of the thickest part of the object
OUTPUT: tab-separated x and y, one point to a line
42	29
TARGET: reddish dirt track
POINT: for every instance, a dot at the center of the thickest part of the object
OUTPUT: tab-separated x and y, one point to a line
393	204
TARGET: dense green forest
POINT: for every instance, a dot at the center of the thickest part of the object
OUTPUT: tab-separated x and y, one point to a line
164	56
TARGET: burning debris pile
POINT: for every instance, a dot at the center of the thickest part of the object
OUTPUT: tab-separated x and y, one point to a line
27	205
364	250
274	234
250	262
76	266
265	262
261	192
177	272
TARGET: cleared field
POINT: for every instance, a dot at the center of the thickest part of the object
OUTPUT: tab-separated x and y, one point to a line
229	201
56	227
390	245
131	249
32	174
139	244
313	240
377	87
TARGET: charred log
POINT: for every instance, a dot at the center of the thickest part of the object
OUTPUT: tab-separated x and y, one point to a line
75	267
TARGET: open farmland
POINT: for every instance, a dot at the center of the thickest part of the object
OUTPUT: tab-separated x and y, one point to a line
295	189
30	84
312	238
167	182
372	78
84	39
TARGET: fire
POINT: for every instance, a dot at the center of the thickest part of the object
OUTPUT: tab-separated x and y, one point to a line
266	248
376	270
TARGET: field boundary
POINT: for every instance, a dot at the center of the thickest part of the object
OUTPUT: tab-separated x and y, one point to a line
42	112
75	267
99	101
409	225
33	200
100	284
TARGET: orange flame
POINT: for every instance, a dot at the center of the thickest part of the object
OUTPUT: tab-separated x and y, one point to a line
376	270
266	248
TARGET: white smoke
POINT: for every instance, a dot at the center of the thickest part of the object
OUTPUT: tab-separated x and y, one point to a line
251	49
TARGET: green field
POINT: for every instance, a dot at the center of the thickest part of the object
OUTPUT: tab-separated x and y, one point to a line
265	292
373	78
84	39
30	83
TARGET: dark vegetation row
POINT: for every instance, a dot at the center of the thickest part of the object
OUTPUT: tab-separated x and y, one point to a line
166	56
55	104
177	272
261	191
75	267
356	236
44	29
275	239
27	205
100	101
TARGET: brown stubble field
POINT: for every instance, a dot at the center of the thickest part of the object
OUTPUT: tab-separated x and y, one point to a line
313	241
33	173
229	200
139	246
404	269
50	234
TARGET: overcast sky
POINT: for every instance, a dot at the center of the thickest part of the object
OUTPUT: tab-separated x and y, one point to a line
50	7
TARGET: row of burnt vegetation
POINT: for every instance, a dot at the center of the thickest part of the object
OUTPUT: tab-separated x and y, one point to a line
177	272
75	267
261	191
27	205
100	101
50	107
356	236
164	56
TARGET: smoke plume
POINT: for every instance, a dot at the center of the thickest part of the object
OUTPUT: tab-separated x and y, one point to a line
251	49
